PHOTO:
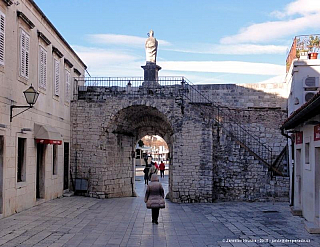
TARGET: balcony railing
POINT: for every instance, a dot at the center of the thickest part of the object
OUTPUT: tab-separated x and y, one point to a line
302	45
130	86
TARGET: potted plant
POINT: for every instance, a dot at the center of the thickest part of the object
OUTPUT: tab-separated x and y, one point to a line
301	49
313	45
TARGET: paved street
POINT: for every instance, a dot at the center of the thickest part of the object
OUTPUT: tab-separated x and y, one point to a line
82	221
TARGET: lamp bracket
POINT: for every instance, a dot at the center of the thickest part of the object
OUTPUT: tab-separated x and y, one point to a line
18	106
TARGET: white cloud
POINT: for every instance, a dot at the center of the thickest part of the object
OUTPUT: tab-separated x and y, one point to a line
103	62
239	49
302	7
234	67
117	39
309	11
93	55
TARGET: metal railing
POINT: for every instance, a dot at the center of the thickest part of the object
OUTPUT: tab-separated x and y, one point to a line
231	122
130	86
183	91
302	45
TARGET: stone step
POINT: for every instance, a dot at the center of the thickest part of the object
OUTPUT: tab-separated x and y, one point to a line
68	194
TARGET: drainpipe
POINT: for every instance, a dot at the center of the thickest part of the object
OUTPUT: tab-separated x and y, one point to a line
292	158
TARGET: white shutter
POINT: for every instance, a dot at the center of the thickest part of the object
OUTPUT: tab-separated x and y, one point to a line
27	54
67	90
56	77
24	54
2	36
42	68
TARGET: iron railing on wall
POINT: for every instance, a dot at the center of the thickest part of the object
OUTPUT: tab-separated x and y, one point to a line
130	86
184	92
231	122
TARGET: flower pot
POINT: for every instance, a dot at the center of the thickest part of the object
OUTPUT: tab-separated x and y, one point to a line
313	55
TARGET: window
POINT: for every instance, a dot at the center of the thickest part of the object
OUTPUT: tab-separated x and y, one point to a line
68	87
56	77
306	150
42	68
2	32
24	54
54	159
21	169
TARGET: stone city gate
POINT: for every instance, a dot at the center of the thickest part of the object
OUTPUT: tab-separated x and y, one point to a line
211	157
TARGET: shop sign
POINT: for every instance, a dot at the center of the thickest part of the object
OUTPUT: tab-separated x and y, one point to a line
317	132
299	137
47	141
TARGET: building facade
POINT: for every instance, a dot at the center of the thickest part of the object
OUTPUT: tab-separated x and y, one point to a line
303	130
34	145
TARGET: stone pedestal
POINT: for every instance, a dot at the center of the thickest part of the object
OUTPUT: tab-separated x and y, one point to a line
150	74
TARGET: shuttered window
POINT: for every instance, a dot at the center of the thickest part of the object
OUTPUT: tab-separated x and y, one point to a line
24	54
2	32
67	86
42	68
56	77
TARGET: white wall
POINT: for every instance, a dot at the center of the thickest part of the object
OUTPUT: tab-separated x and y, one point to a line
48	110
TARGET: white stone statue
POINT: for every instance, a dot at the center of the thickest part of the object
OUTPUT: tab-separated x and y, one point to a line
151	48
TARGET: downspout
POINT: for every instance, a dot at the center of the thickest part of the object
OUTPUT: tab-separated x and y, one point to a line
292	158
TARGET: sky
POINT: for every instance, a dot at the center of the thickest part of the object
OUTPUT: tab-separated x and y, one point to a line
207	41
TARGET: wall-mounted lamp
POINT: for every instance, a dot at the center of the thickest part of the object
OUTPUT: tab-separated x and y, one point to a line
31	96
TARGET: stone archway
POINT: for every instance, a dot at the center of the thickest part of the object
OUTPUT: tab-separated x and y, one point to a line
104	134
137	121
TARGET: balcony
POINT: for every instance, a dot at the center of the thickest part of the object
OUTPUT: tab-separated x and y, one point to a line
303	47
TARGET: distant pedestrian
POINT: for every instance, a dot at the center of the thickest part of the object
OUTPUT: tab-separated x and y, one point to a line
154	197
152	170
156	165
149	159
146	174
162	168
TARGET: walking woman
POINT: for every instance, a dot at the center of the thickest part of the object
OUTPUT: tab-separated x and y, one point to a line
154	197
146	174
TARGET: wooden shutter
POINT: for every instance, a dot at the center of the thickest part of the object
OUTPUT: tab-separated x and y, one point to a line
2	37
68	87
56	77
42	68
24	54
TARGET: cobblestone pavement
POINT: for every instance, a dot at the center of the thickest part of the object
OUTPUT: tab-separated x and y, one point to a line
82	221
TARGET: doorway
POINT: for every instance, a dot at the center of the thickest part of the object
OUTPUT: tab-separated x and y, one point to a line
40	185
149	150
317	184
1	173
66	166
298	179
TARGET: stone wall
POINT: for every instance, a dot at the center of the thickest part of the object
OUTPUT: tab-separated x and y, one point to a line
244	96
203	167
240	177
104	134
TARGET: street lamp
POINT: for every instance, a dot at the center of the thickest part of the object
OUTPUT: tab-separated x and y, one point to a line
31	96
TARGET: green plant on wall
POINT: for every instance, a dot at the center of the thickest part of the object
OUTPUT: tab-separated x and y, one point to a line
313	43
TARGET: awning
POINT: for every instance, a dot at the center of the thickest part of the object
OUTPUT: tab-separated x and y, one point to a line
47	135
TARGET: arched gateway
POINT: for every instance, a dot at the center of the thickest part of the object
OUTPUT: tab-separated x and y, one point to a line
216	151
107	125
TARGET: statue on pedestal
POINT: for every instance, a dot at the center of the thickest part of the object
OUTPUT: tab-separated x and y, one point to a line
151	48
